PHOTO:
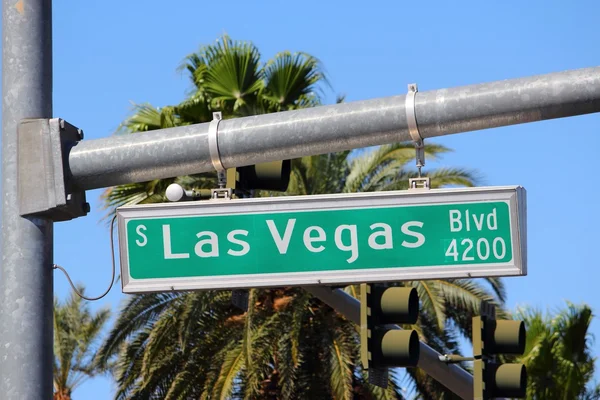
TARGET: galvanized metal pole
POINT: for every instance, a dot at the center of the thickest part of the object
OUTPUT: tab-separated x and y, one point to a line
26	282
251	140
453	377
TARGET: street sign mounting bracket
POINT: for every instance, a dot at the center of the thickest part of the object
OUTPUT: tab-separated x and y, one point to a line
419	183
413	127
221	194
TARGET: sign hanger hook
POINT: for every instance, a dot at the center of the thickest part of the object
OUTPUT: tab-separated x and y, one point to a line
213	146
413	130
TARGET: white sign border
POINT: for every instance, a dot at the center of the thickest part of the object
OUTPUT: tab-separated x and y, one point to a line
515	196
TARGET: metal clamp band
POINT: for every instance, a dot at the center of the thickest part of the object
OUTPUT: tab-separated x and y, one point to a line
411	121
411	117
213	143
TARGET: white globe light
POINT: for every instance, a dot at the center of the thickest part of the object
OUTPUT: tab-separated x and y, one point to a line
174	192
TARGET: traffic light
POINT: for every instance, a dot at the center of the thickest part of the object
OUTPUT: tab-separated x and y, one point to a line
492	337
273	175
381	346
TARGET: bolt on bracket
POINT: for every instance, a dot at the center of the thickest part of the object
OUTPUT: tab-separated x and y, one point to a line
44	184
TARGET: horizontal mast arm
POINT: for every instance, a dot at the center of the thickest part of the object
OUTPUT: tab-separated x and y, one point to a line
243	141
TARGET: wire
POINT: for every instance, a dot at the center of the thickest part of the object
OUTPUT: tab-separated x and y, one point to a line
112	279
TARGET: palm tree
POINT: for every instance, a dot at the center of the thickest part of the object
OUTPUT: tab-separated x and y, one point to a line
227	77
196	345
287	344
558	354
76	331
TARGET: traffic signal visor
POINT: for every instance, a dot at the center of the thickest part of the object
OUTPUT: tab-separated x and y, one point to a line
273	175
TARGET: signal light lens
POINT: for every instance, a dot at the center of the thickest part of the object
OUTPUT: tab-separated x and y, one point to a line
509	337
400	348
510	380
399	305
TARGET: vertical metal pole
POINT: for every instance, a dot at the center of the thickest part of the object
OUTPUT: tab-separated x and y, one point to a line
26	282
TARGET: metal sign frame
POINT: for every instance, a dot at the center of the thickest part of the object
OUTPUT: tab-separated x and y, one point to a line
514	196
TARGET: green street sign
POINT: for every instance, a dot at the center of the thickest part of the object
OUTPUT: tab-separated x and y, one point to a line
326	239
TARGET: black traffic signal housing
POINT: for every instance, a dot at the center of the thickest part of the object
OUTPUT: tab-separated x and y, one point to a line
381	346
490	338
273	175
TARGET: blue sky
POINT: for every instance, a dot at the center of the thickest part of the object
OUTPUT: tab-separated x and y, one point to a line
110	53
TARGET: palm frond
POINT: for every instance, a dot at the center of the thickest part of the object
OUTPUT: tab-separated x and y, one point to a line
465	294
165	328
138	312
262	364
76	330
558	355
498	287
180	387
291	81
432	301
340	364
232	365
287	368
232	76
383	166
441	177
145	118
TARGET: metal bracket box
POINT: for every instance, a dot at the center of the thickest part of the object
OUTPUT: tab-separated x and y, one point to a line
43	170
